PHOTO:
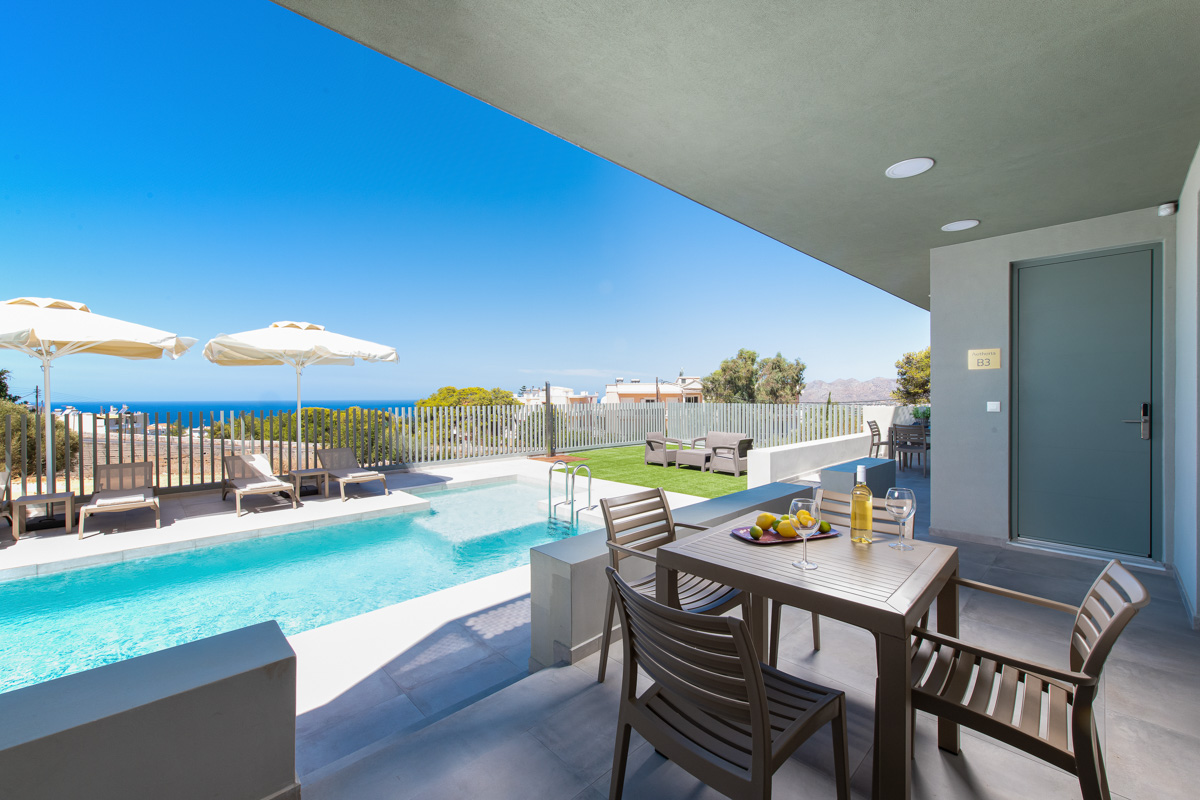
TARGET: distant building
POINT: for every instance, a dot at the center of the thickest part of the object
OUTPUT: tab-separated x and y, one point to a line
559	396
681	390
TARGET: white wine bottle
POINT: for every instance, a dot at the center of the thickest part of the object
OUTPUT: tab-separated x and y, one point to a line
861	509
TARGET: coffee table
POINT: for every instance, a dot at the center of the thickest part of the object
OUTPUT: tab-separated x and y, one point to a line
322	476
21	504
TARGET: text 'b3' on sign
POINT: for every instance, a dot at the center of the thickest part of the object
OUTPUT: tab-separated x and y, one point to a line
984	359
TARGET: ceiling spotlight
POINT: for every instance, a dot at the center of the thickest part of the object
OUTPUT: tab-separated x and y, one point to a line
961	225
909	167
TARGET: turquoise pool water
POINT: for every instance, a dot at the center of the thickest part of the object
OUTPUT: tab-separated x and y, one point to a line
58	624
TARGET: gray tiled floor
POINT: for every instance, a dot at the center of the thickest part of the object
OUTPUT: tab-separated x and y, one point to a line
550	735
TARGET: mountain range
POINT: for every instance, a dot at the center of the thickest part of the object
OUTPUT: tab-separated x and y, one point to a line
849	390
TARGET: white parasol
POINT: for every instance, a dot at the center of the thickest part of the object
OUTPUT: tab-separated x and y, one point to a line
297	344
46	328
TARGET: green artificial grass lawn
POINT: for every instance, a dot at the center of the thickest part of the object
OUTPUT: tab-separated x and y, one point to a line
625	465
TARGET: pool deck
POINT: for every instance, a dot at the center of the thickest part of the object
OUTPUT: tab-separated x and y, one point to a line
361	681
199	519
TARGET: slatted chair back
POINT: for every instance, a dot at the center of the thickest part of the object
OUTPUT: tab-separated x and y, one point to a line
835	509
910	437
134	475
337	458
640	521
706	669
1109	606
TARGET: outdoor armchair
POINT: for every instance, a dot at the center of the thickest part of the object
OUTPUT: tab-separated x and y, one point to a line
251	474
656	450
721	452
1054	700
909	441
122	487
713	708
636	524
342	465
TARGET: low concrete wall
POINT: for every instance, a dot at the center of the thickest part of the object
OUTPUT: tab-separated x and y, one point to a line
772	464
568	589
213	718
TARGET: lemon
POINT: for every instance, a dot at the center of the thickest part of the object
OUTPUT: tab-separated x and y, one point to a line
756	532
787	530
824	527
765	521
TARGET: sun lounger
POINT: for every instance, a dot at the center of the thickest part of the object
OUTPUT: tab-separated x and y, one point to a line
122	487
251	474
343	467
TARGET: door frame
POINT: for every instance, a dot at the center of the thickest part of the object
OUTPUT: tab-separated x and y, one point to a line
1157	509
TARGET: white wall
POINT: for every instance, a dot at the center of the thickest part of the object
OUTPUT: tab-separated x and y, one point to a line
207	719
1187	389
971	307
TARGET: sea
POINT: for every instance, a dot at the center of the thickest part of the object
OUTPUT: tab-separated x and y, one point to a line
213	408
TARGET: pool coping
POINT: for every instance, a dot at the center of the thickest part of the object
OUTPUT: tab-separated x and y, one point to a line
406	500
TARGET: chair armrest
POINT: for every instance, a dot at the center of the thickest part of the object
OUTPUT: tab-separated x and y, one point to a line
629	551
689	525
699	439
673	441
1025	598
1043	670
717	450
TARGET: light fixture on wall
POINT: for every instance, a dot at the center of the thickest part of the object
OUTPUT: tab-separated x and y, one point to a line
909	167
960	225
1167	209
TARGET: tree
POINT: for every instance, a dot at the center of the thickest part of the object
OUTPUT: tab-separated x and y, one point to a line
5	394
472	396
912	378
779	380
746	379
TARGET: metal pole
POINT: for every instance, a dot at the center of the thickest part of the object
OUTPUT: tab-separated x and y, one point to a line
299	369
49	428
549	422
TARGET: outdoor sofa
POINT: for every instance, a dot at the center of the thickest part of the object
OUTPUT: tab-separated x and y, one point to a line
721	452
342	465
122	487
251	474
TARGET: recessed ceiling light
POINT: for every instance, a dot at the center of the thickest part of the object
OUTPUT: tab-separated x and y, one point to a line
909	167
961	225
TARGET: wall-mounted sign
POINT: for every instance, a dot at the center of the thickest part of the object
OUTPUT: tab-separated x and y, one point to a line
988	358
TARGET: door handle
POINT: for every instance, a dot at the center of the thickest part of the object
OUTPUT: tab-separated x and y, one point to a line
1144	421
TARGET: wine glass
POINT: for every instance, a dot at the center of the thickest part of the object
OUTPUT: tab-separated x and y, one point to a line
804	512
902	505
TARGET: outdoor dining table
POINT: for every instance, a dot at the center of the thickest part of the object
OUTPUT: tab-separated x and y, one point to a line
870	586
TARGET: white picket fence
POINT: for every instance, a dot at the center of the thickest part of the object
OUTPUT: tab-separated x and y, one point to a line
187	450
767	424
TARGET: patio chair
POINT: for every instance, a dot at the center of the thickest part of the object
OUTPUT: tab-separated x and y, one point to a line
5	506
835	509
713	708
636	524
656	450
910	440
342	465
1055	700
122	487
876	439
251	474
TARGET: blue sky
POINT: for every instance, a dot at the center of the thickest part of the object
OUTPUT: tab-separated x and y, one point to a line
212	167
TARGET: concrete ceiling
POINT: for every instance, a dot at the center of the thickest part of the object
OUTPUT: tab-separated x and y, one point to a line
783	115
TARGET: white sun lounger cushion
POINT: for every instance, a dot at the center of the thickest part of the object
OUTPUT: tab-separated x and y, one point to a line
119	497
355	473
248	483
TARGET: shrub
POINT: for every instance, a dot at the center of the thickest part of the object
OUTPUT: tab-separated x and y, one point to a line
20	417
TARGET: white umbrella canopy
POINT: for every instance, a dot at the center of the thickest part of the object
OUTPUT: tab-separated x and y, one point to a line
47	328
296	344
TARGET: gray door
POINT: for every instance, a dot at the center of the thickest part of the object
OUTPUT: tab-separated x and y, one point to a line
1084	364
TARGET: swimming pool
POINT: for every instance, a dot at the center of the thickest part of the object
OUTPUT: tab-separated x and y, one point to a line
58	624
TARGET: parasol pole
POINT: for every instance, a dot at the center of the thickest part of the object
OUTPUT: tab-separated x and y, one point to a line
304	463
49	426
